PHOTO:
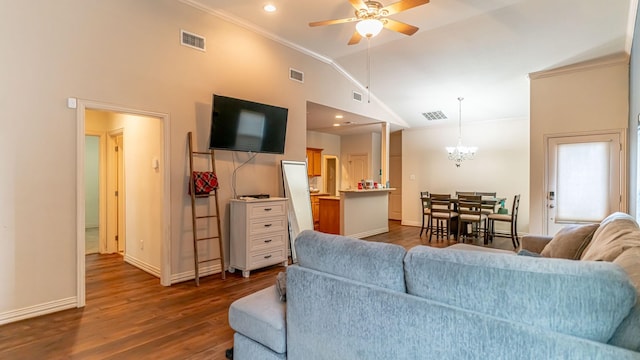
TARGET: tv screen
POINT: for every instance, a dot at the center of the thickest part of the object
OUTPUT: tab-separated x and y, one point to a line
241	125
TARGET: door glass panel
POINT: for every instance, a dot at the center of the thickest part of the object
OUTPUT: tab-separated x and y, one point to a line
583	182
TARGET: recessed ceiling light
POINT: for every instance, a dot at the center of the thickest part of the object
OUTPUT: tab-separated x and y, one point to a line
269	8
339	116
336	125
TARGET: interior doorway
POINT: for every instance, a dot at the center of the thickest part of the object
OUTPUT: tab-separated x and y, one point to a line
116	193
92	193
330	176
144	169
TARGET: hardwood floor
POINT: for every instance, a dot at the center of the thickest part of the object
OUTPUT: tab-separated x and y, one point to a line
129	315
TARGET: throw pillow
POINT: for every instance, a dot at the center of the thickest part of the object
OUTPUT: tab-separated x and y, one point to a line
570	242
281	285
524	252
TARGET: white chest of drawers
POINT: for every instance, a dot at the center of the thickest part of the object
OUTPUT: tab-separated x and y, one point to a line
258	234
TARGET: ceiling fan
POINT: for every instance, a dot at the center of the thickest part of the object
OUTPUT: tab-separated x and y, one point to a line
372	16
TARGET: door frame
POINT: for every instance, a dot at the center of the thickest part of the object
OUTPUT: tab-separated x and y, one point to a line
624	189
165	251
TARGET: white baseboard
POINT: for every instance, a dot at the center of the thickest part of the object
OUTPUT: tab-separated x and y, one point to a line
38	310
369	233
191	274
155	271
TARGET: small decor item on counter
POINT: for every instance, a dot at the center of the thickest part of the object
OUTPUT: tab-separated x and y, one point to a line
359	186
368	184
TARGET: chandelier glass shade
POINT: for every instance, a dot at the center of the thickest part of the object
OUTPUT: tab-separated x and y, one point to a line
369	27
459	153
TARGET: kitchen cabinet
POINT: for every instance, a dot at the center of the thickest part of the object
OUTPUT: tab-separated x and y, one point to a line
314	162
329	214
315	209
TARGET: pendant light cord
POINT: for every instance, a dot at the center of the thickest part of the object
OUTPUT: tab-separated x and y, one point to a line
368	69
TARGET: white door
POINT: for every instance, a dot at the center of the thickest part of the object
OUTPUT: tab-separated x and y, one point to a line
583	179
115	193
358	169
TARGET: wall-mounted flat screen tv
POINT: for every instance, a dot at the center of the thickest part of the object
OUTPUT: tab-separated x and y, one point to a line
241	125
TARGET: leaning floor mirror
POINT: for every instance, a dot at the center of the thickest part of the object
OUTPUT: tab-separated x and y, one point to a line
296	189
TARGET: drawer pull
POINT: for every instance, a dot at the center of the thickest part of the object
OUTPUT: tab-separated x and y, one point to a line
267	256
268	225
267	241
267	209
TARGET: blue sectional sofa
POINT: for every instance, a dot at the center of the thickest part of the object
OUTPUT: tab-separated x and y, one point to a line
354	299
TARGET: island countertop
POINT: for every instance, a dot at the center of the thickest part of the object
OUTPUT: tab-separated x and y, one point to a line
366	190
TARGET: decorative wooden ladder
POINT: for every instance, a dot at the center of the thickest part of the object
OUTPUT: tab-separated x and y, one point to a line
196	217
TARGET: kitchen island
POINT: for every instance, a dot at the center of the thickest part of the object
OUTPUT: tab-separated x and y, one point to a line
364	212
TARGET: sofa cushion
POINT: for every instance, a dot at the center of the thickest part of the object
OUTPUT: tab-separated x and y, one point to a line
617	232
570	241
374	263
628	333
581	298
261	317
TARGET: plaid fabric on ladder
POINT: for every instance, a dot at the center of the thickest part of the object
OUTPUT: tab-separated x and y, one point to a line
204	182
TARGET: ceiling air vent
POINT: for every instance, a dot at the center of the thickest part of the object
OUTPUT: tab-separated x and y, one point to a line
434	115
192	40
296	75
357	96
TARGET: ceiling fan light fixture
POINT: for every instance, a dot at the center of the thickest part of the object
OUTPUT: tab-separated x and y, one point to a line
369	27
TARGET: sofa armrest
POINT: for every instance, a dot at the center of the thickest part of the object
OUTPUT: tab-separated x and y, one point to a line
535	243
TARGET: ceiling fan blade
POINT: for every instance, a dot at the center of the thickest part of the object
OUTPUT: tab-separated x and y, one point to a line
355	38
400	27
332	22
403	5
358	4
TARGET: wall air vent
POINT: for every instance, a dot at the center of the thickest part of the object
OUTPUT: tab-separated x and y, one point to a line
192	40
435	115
357	96
296	75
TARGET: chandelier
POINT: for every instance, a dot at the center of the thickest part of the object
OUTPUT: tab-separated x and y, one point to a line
460	152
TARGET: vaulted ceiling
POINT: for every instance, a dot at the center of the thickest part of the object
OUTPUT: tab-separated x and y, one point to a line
481	50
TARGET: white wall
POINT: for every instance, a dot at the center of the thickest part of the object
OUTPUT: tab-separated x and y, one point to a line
501	164
579	98
75	48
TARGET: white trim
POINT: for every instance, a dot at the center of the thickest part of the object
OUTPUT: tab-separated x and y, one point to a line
190	275
612	60
165	250
37	310
365	234
153	270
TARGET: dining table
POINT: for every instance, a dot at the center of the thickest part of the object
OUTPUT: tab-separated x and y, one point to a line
485	200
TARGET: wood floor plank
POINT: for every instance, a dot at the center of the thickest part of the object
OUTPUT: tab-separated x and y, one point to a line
129	315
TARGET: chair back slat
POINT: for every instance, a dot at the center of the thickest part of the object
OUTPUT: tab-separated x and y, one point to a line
440	205
470	206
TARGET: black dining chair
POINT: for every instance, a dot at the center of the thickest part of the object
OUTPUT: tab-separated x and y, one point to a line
470	212
443	214
426	211
511	218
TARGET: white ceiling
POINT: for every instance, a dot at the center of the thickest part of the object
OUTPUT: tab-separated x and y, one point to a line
481	50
